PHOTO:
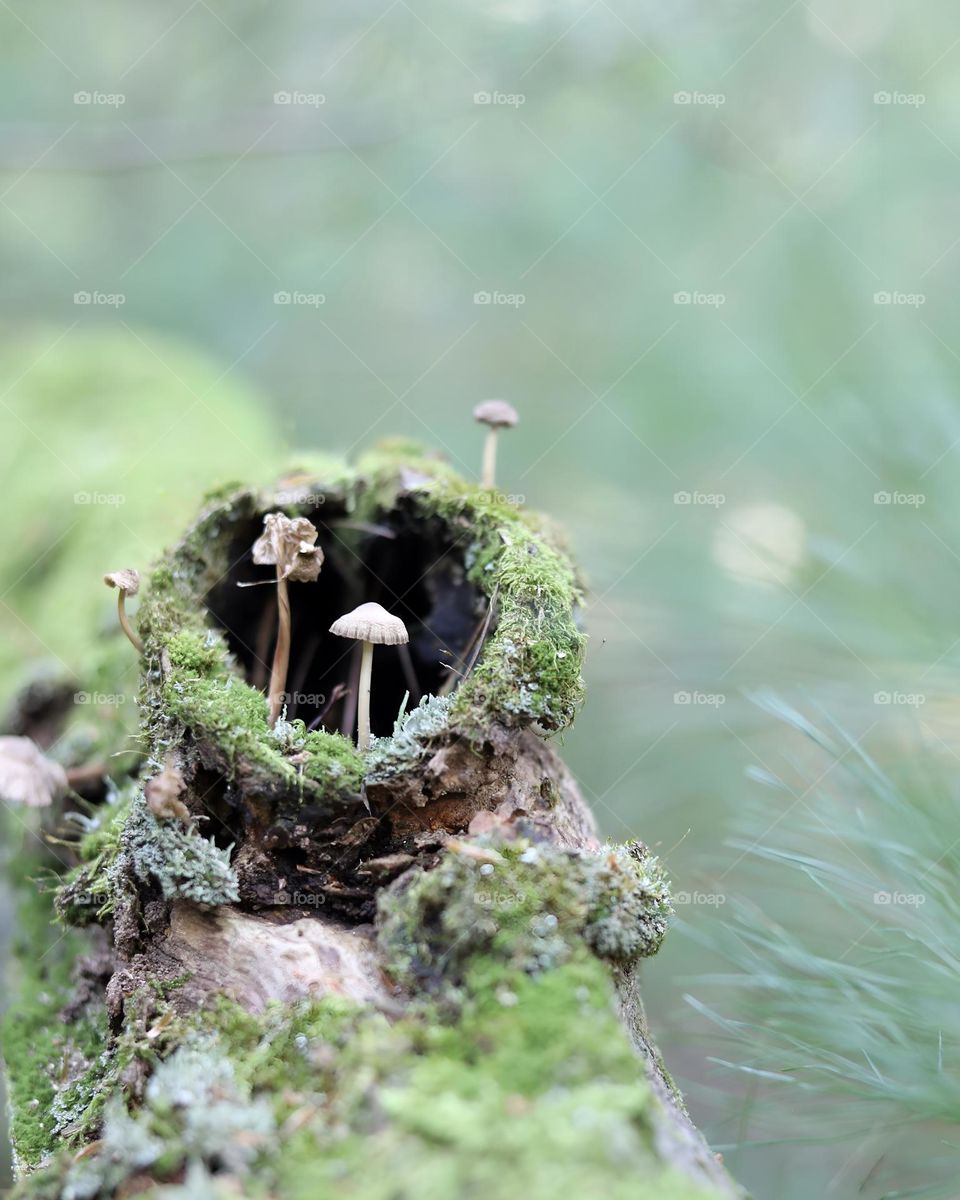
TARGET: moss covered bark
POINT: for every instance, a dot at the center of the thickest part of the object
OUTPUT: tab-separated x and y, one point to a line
397	974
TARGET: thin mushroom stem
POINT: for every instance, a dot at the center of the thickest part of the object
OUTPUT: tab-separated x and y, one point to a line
281	653
125	624
490	459
363	710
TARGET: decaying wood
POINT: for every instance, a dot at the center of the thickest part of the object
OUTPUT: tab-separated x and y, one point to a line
310	866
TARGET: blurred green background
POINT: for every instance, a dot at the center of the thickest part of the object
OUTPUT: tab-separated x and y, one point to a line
709	251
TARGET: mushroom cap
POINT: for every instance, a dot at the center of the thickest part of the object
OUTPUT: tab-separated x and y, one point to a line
371	623
289	543
27	776
498	414
127	580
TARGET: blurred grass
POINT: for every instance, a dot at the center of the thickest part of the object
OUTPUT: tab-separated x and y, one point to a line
597	199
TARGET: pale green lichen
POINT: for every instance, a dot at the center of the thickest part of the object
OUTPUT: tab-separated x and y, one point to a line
195	1111
628	902
411	738
185	865
529	906
126	842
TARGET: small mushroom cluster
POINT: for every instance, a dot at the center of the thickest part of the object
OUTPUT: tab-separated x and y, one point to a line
289	544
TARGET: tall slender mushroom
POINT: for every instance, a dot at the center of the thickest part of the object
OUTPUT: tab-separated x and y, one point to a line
127	583
287	543
374	626
496	415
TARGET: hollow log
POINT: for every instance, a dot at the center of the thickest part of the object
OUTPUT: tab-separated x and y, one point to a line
260	963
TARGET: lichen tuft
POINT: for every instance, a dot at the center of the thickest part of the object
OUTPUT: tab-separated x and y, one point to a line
185	865
525	905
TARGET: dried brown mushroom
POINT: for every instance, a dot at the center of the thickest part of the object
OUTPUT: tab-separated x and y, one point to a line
374	626
163	793
127	583
496	415
27	776
289	544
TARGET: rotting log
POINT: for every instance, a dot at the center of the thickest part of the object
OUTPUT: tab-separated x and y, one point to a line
282	968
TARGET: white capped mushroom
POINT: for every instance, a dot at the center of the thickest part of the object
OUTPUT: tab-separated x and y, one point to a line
496	415
374	626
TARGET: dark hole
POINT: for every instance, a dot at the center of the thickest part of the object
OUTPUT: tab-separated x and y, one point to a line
414	569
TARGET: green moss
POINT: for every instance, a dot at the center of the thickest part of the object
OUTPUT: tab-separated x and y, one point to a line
40	1052
532	1091
198	654
530	1087
198	690
529	670
531	666
333	761
529	907
86	893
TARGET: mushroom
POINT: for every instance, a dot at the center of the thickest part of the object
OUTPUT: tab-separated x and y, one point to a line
374	626
127	583
163	793
27	776
496	415
287	543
